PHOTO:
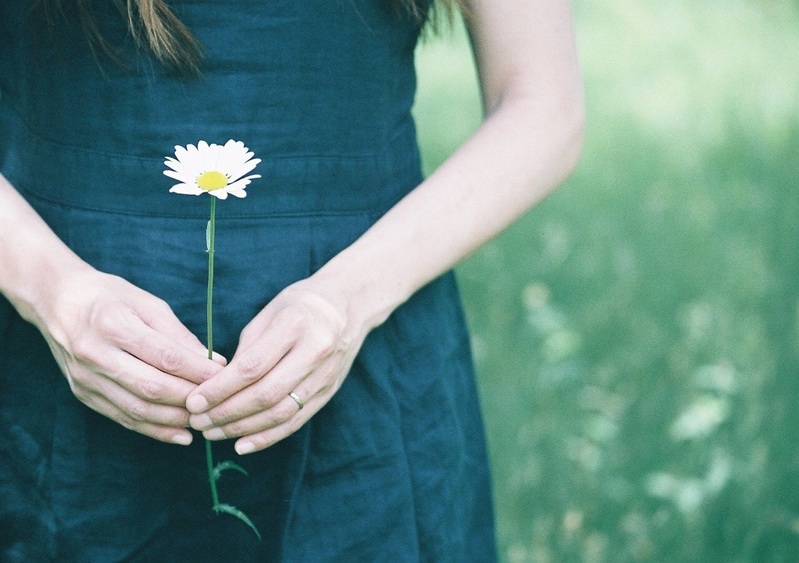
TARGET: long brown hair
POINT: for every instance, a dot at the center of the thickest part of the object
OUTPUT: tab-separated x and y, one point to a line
153	25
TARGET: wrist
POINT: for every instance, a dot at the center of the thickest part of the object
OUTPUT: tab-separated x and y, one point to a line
364	296
34	262
36	288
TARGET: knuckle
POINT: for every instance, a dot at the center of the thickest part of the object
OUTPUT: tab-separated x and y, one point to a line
136	411
221	414
161	306
79	381
180	418
152	390
325	346
108	323
250	368
128	423
84	350
170	360
234	430
287	412
268	397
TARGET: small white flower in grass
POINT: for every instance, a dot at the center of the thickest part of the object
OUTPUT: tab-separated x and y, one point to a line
218	170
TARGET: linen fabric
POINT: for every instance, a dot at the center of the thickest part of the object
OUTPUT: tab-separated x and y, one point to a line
394	467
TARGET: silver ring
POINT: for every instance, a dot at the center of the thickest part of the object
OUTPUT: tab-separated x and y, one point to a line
297	399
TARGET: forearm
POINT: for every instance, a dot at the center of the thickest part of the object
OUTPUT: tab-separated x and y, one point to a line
524	150
32	258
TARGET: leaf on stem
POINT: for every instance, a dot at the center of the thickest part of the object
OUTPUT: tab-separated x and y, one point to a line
233	511
224	466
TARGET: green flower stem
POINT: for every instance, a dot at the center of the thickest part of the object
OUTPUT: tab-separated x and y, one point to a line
209	307
214	472
209	322
209	460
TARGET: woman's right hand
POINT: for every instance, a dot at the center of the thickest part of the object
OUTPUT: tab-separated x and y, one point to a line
124	352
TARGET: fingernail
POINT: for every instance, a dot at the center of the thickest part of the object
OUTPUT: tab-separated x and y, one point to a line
244	447
181	439
214	434
197	403
219	358
201	422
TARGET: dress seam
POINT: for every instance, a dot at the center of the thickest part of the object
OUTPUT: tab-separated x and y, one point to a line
244	216
36	136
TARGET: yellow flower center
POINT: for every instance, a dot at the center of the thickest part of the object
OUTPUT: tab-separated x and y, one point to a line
211	180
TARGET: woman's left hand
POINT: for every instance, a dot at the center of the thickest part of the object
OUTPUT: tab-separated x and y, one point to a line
291	359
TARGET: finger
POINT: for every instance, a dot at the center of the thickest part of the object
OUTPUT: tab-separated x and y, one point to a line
244	369
148	383
159	316
279	414
261	440
98	367
263	395
168	355
165	432
93	389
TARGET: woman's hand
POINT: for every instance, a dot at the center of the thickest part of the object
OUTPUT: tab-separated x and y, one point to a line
291	360
124	353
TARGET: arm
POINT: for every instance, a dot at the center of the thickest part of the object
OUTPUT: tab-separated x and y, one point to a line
122	350
528	144
530	141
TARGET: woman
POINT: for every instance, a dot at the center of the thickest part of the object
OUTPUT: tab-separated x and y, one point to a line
348	382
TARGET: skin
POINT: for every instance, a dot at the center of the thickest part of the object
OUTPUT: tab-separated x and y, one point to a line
122	350
152	376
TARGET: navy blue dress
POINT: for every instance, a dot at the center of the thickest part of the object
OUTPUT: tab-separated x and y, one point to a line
394	467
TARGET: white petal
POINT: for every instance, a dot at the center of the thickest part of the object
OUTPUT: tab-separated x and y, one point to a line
235	155
237	193
219	194
177	166
184	178
244	169
204	158
190	158
235	149
186	189
212	157
180	152
240	184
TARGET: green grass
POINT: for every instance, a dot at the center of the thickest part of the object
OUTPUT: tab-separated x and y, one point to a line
636	334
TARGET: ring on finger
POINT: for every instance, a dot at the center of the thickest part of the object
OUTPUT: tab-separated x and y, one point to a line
300	402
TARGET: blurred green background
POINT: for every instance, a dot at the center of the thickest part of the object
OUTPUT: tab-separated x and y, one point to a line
636	333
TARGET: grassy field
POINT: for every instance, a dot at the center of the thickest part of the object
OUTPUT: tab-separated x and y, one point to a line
636	334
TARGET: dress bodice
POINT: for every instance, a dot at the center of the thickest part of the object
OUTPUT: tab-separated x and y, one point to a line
321	90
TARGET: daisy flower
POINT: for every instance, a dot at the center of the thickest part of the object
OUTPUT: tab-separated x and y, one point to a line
215	169
218	170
